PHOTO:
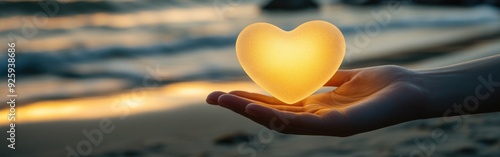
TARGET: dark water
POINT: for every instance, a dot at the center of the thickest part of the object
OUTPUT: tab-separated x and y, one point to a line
83	41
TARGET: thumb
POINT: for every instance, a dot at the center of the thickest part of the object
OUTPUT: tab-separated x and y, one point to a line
341	77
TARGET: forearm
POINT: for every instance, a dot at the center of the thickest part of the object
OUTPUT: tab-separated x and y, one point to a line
467	88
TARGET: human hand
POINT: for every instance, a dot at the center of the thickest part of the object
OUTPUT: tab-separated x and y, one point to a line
366	99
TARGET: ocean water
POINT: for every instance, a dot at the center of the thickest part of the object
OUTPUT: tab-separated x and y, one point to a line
91	48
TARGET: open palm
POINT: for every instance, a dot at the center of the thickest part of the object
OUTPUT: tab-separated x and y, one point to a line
364	100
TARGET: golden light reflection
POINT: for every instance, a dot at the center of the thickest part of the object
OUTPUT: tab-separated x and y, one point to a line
91	38
190	91
125	20
136	101
48	110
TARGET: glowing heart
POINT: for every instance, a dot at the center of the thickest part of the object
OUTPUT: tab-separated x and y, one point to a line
291	65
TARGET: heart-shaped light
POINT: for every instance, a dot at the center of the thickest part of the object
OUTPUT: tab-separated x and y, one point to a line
291	65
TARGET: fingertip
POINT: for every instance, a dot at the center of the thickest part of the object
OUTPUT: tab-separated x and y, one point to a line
259	110
233	102
227	100
223	99
213	97
252	109
253	106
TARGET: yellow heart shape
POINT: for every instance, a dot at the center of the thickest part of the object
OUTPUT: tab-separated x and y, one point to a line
291	65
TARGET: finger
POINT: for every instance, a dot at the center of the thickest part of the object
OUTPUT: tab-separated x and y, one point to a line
233	103
288	108
341	77
247	100
238	105
213	97
258	97
270	101
287	122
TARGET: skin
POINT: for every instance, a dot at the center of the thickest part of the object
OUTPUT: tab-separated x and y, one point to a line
371	98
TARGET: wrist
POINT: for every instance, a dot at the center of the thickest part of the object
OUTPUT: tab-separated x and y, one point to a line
443	90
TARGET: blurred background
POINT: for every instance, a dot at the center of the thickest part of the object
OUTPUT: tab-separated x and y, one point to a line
147	66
